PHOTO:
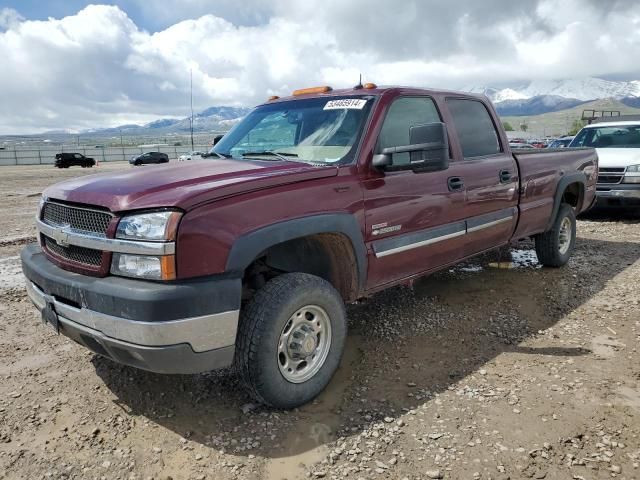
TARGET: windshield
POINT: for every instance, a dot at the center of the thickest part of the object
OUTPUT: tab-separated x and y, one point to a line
623	136
317	130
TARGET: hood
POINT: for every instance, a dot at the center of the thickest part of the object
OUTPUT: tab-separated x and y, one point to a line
618	157
182	185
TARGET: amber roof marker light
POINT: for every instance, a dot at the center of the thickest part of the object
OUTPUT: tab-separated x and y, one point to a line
369	86
272	97
307	91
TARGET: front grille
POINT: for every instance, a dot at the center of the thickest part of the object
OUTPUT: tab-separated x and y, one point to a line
84	256
610	175
83	220
609	179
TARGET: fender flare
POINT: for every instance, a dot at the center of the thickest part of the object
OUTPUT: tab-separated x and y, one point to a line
248	247
563	183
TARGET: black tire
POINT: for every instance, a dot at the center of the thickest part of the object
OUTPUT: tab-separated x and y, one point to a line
262	322
549	244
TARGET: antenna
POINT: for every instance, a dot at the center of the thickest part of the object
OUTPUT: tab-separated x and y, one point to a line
359	85
191	77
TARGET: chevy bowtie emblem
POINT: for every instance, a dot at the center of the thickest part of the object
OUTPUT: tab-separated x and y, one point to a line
61	236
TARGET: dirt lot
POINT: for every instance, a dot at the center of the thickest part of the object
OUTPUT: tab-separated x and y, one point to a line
492	370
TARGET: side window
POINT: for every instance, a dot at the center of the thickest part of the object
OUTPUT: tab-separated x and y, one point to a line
403	114
476	131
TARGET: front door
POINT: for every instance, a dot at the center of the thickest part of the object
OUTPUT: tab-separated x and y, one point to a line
414	221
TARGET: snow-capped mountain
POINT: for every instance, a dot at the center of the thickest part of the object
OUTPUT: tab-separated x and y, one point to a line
541	96
212	119
580	89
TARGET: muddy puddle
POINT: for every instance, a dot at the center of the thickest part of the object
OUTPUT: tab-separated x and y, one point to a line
519	259
307	443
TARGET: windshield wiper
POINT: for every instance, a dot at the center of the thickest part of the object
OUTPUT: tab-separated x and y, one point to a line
219	155
270	153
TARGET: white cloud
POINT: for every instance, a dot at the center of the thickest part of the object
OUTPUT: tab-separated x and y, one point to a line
98	68
9	18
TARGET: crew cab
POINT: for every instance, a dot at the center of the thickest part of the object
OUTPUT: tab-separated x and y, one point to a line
66	160
618	147
246	258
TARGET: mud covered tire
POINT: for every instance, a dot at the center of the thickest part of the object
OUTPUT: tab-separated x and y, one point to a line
554	247
262	324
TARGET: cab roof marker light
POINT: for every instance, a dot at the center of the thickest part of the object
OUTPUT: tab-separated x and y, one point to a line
307	91
369	86
273	97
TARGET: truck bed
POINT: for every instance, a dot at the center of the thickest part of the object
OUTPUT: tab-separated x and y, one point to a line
541	171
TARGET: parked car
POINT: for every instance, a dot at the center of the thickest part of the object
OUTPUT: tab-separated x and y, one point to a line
248	259
149	157
66	160
190	156
618	147
561	142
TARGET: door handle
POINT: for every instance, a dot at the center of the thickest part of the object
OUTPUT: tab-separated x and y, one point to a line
455	183
505	176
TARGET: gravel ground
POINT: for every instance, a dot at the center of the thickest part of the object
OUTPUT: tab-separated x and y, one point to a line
495	369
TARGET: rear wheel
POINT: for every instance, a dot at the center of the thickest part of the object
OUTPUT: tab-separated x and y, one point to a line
290	340
554	248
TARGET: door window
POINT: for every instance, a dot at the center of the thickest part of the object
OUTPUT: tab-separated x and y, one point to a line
403	114
476	131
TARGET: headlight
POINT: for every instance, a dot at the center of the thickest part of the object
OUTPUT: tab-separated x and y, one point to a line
155	226
632	175
144	266
150	227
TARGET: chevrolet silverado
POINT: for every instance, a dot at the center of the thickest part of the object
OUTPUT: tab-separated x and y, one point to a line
247	257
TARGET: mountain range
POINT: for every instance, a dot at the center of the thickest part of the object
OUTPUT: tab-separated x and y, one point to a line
543	96
533	98
212	119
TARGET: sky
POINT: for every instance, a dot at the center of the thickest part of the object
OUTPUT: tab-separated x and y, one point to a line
69	64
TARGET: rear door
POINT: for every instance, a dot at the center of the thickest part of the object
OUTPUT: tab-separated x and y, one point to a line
489	172
414	221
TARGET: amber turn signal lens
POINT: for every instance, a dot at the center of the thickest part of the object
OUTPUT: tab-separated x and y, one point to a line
168	267
307	91
172	225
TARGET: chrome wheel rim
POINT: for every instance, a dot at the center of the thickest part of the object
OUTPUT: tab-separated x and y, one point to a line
304	344
565	236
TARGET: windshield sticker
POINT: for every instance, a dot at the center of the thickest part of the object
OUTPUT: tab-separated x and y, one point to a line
350	103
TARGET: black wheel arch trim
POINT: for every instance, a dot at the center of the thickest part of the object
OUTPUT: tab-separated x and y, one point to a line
250	245
563	183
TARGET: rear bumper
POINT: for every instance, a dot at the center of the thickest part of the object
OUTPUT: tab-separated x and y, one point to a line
620	195
179	327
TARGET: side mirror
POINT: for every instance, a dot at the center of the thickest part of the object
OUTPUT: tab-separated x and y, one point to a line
428	150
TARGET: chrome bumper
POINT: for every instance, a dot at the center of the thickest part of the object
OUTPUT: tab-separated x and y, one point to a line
203	333
619	193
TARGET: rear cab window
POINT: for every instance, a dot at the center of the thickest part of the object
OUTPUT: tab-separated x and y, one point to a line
477	133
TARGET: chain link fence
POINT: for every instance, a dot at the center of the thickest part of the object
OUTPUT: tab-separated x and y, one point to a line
47	155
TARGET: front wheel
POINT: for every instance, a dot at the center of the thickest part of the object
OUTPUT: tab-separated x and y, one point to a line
290	340
554	248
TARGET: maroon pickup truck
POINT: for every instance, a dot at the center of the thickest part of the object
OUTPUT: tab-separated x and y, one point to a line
246	258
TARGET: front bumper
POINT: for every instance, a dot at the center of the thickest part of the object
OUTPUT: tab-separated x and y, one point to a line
621	195
177	327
